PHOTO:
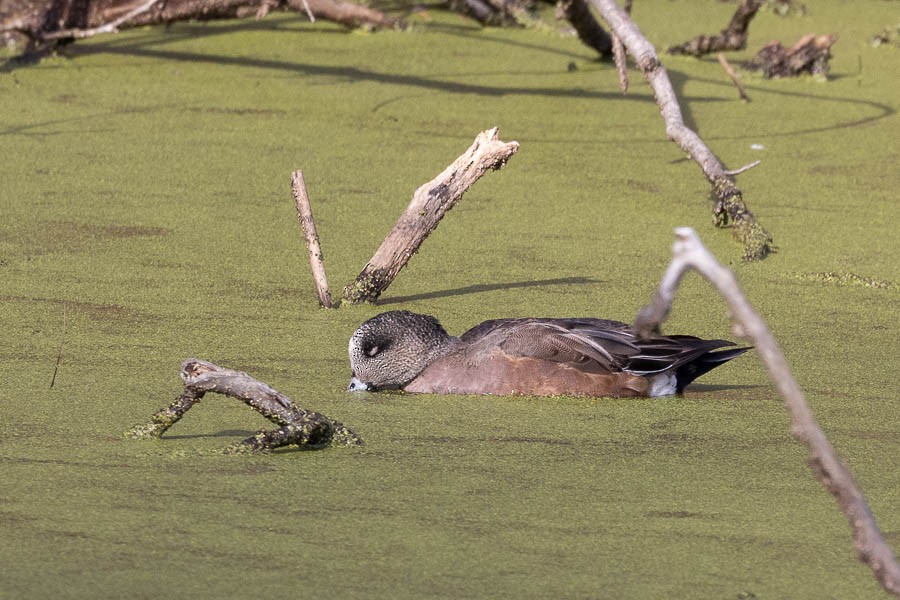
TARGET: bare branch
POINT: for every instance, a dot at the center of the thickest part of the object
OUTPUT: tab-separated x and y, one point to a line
729	205
729	70
743	169
308	225
689	253
429	205
296	425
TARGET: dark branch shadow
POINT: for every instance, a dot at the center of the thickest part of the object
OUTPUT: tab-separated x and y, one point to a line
224	433
489	287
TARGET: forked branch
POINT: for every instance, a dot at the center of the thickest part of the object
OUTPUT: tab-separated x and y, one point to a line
296	426
689	253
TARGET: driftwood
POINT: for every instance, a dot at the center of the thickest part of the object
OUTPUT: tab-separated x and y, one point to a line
46	22
729	206
429	205
308	225
690	254
809	56
733	37
296	426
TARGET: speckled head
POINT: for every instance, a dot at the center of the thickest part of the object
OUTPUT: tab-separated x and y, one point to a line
391	349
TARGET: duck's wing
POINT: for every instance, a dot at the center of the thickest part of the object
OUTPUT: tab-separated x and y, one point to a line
599	345
594	345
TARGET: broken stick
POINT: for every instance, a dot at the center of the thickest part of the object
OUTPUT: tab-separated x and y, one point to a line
729	70
429	204
733	37
308	225
689	253
297	426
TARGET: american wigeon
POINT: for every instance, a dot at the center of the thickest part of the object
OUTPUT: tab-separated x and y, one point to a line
540	357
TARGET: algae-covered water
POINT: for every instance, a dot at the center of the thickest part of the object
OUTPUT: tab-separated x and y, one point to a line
146	218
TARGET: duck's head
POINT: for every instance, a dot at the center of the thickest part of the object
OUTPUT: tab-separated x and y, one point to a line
391	349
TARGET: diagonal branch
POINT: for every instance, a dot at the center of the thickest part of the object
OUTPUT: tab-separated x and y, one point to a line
429	205
729	205
296	426
689	253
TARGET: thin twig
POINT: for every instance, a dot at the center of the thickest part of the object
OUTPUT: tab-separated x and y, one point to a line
619	56
729	70
62	339
689	253
313	250
110	27
743	169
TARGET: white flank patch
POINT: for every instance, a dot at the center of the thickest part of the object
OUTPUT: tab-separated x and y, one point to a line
663	384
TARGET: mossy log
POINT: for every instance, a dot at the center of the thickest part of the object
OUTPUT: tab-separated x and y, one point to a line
296	426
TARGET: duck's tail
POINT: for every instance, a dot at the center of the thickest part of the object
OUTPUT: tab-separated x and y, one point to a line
704	363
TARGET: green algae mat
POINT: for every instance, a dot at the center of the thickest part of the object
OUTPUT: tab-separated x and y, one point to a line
147	218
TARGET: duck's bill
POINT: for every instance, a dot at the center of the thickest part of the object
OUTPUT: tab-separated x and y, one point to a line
358	386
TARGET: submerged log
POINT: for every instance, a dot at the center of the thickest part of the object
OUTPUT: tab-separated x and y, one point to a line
809	56
296	426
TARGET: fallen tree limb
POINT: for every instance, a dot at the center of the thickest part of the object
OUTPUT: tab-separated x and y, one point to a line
46	22
689	253
733	37
297	426
729	206
313	250
429	205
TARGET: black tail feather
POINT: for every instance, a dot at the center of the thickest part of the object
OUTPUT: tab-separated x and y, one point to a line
687	373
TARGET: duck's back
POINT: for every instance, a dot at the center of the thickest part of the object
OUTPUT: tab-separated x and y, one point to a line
584	356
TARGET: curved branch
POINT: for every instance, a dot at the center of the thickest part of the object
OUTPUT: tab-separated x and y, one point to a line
295	425
729	205
689	253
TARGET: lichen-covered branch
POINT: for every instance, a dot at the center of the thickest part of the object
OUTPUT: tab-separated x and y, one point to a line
733	37
429	205
296	426
689	253
729	206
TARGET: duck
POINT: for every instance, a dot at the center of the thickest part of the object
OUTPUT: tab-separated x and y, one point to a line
403	350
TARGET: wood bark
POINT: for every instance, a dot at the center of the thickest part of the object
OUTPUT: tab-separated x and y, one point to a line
429	205
729	206
296	426
733	37
689	253
308	225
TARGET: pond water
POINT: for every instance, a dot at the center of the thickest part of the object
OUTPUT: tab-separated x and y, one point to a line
147	218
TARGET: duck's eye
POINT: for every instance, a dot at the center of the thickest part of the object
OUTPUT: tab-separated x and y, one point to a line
373	350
